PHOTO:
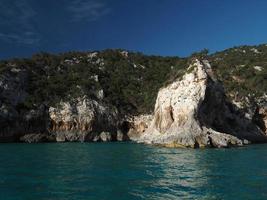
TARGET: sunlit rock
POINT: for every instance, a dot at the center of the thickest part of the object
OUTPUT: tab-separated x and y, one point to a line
193	112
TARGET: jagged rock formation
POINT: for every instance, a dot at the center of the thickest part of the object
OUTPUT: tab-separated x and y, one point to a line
193	112
82	119
137	125
263	116
260	118
79	119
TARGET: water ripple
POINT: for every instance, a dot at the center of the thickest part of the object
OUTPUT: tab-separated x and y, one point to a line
74	171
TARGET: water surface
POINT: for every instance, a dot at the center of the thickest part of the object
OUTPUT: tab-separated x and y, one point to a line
81	171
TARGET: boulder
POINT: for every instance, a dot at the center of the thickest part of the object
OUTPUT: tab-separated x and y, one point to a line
105	137
121	136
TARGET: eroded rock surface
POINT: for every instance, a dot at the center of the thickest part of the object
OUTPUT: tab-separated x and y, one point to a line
193	112
138	125
83	120
260	118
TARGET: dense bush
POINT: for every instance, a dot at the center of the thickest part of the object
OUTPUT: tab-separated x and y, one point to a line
236	68
130	82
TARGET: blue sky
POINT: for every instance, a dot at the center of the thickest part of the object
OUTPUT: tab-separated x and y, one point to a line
161	27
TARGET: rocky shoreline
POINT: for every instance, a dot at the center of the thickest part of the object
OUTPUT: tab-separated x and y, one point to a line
192	111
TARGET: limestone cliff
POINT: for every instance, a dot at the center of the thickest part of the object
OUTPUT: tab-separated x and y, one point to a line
83	119
138	125
108	95
193	112
78	119
260	118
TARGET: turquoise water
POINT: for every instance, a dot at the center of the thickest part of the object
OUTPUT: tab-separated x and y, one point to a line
81	171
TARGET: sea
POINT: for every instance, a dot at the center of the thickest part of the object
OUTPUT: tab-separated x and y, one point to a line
114	171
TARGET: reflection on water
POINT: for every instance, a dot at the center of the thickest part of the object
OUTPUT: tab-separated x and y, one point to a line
174	174
130	171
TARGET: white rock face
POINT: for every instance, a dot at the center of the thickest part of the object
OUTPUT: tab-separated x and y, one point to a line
73	121
100	94
258	68
254	50
92	55
261	118
186	113
263	113
124	53
138	125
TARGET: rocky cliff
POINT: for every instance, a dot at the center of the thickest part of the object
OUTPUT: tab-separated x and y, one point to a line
13	121
110	95
78	119
194	112
84	119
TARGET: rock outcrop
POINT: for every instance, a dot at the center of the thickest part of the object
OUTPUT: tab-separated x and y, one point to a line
260	118
83	119
80	119
138	125
193	112
263	115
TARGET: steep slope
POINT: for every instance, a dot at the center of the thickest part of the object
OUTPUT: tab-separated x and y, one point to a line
193	112
243	71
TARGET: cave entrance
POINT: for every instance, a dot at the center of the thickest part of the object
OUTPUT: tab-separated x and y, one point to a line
125	127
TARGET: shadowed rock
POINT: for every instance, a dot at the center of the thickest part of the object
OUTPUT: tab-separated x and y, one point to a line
37	138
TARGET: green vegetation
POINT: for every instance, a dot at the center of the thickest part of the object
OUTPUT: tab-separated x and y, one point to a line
131	81
243	70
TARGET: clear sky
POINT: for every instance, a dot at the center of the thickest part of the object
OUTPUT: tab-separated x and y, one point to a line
161	27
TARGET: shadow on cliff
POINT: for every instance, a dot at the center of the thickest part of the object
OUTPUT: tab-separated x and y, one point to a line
21	122
218	113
